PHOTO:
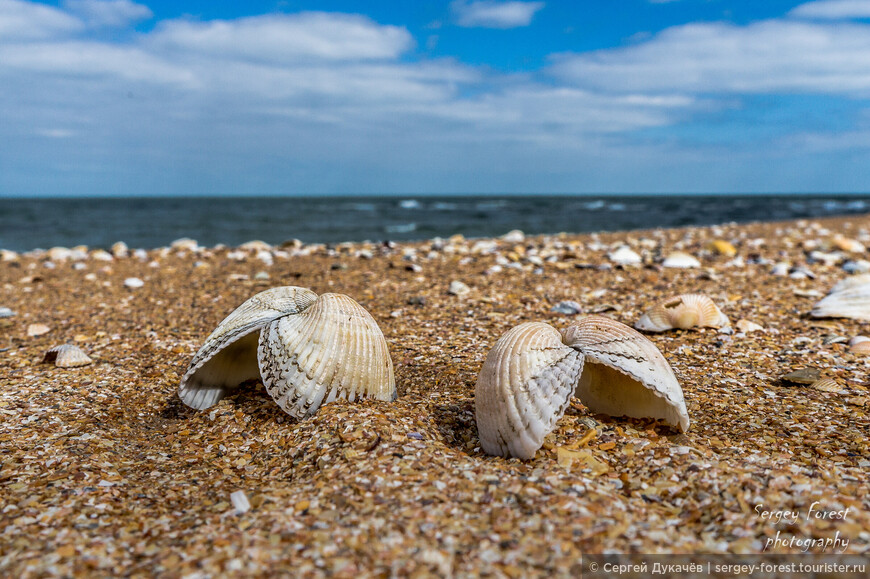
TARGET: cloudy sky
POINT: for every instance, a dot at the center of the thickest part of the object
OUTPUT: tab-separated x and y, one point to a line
116	97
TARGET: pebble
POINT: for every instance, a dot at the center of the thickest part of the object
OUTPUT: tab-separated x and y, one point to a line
133	282
569	308
802	376
261	275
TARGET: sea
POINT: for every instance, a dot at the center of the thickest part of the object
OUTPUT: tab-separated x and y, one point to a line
27	224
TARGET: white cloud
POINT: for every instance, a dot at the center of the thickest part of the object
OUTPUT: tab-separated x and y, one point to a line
27	20
108	13
833	9
286	38
492	14
768	56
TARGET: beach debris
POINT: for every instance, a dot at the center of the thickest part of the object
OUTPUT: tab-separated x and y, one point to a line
857	266
681	259
827	385
67	356
845	244
8	255
746	326
240	502
850	298
624	255
529	376
6	313
804	376
457	288
120	249
722	247
307	350
34	330
133	282
567	307
780	268
514	236
101	255
682	312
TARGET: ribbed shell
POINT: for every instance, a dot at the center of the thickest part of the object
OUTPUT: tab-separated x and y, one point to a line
332	350
523	389
530	374
850	298
67	356
229	355
625	373
682	311
681	259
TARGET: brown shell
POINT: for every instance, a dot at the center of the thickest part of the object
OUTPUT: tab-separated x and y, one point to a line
682	312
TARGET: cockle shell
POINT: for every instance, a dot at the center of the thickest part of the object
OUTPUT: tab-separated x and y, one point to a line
67	356
681	259
530	374
682	312
850	298
307	349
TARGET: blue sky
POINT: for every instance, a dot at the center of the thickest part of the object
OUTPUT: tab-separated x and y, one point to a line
117	97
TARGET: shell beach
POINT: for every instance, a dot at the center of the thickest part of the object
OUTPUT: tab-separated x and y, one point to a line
105	472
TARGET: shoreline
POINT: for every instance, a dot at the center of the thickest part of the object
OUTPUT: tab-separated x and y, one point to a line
106	472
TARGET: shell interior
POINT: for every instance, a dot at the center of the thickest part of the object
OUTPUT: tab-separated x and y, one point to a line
229	355
530	374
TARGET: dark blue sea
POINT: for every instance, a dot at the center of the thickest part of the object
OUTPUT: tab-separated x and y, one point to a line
27	224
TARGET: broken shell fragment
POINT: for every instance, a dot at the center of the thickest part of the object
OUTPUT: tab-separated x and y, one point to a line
682	312
681	259
67	356
530	374
850	298
307	350
827	385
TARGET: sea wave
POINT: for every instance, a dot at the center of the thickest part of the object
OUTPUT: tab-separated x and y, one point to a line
400	228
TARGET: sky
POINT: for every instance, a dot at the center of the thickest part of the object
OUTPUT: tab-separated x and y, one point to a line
196	97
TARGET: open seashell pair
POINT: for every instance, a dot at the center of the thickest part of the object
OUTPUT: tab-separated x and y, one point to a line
682	312
531	373
308	351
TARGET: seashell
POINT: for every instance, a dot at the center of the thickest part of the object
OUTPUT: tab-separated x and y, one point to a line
457	288
858	340
133	283
101	255
6	312
746	326
514	236
781	268
722	247
827	385
845	244
8	255
681	259
184	244
255	246
120	249
860	348
850	298
59	253
568	307
803	376
528	378
856	266
67	356
624	255
307	350
682	312
34	330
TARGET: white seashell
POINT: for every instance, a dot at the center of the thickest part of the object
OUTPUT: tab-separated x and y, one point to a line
101	255
681	259
530	374
67	356
332	350
240	502
682	312
133	282
858	340
229	355
255	246
747	327
624	255
59	253
8	255
6	312
845	244
457	288
34	330
850	298
184	244
780	268
514	236
307	350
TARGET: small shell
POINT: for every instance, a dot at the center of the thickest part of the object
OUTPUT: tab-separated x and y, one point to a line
850	298
846	244
683	311
34	330
747	326
681	259
530	374
827	385
331	350
624	255
229	355
67	356
858	340
722	247
861	348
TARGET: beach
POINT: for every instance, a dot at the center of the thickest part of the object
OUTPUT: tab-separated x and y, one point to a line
106	473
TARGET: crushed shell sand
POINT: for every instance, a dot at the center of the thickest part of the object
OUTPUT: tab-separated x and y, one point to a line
104	472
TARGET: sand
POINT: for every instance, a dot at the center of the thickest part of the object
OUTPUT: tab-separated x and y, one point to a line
105	473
